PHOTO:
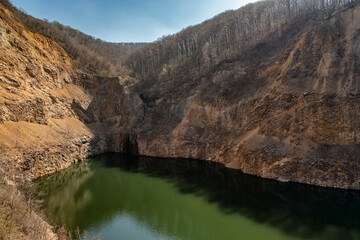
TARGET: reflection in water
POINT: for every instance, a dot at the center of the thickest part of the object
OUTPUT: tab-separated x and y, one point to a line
145	198
63	192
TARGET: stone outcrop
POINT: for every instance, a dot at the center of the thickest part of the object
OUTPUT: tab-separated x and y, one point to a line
295	118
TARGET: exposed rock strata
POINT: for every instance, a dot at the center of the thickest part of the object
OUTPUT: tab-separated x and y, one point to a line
297	120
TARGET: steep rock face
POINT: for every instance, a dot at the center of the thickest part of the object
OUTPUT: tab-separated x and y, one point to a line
51	114
36	91
49	118
297	120
291	115
31	66
29	84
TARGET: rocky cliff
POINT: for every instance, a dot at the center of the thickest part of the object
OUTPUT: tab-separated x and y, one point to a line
290	115
51	115
37	98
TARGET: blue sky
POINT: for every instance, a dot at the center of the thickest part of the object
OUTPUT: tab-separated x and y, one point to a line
128	20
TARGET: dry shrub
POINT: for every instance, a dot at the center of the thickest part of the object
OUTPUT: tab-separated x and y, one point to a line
64	234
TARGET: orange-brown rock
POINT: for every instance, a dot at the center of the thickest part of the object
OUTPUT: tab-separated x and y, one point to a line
291	115
37	95
297	119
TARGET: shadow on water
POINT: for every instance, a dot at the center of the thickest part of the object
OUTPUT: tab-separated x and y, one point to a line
302	211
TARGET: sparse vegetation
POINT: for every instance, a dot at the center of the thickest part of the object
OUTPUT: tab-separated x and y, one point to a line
65	234
113	52
91	55
17	220
232	36
215	60
234	42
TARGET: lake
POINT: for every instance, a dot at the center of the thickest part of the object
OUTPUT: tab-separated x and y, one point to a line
123	197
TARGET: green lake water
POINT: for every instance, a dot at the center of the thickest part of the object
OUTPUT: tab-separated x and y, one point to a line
121	197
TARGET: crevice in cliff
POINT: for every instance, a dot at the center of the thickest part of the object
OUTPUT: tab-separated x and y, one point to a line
131	145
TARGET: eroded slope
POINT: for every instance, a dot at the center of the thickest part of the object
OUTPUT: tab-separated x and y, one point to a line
291	115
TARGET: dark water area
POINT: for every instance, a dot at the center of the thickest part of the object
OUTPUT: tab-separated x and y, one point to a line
123	197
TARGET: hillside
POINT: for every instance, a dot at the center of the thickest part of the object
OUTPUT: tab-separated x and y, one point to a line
91	55
49	119
271	89
115	53
280	103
